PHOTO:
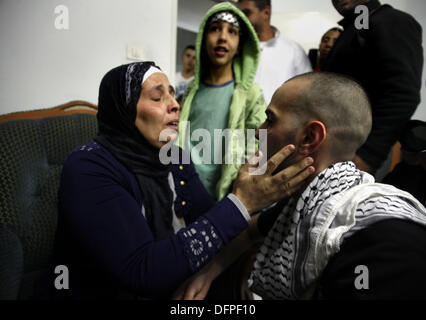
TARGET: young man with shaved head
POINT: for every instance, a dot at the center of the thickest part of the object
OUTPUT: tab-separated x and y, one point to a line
342	235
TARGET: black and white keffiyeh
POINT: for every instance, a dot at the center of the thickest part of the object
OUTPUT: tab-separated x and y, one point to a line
340	201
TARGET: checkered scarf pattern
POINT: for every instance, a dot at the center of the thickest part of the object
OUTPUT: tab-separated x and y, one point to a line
303	238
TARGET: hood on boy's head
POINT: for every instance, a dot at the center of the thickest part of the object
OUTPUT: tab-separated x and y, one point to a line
245	63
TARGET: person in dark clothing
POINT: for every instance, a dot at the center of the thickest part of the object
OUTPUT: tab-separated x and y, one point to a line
410	173
341	234
130	224
387	60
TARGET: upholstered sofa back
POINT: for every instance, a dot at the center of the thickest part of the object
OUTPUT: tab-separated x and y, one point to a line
32	153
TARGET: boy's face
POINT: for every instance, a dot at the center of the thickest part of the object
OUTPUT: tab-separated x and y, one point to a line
221	43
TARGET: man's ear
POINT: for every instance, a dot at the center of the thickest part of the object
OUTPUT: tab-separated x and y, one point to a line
313	136
267	13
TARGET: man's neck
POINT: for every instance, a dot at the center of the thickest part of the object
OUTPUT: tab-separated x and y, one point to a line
219	75
266	33
187	73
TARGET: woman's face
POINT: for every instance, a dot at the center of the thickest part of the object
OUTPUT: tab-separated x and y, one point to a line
327	42
157	110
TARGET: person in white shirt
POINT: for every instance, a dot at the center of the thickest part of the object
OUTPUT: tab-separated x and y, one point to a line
281	59
187	74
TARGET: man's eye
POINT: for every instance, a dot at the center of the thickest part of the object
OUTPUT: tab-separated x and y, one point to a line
233	31
156	99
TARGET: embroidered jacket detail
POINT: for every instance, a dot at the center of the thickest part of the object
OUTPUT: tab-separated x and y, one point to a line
201	242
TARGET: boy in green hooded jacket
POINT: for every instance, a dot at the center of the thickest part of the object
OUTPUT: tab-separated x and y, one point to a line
222	96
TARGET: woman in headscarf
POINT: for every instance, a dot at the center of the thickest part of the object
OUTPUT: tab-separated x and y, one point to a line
128	224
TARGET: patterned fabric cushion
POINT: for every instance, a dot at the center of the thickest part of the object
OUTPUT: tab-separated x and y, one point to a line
32	153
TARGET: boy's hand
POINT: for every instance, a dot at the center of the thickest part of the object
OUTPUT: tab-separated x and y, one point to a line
259	191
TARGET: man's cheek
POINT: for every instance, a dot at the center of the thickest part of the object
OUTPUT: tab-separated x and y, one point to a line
274	147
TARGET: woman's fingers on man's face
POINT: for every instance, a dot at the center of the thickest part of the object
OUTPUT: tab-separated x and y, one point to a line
279	157
294	174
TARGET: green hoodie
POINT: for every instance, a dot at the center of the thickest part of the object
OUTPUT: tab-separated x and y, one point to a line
247	110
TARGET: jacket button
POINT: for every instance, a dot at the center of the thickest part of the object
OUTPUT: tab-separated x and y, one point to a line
180	167
182	182
183	203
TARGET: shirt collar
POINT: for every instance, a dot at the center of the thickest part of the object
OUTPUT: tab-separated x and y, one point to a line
272	41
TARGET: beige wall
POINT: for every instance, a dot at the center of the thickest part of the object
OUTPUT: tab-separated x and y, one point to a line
41	66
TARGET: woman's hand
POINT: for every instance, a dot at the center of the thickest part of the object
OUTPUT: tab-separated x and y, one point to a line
197	287
259	191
